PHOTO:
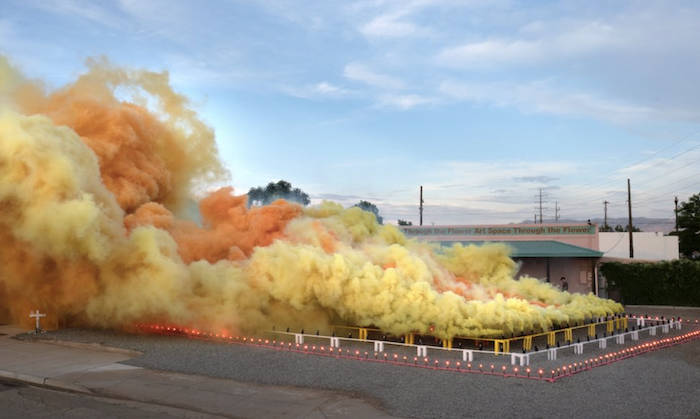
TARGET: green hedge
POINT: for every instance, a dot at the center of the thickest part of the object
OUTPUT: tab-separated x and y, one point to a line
674	283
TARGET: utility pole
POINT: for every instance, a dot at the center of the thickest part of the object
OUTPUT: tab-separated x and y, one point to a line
540	206
421	205
605	212
676	201
556	212
629	208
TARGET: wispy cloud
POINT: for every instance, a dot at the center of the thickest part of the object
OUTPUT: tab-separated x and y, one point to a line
391	26
323	90
405	102
541	47
535	179
544	96
362	73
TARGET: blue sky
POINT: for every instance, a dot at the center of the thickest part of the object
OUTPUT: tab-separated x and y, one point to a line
483	103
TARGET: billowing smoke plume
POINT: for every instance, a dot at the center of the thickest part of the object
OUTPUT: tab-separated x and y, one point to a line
92	189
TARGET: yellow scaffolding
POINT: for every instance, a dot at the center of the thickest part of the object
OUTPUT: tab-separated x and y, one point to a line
503	345
497	345
363	333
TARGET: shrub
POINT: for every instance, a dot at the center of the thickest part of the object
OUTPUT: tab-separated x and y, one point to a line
674	283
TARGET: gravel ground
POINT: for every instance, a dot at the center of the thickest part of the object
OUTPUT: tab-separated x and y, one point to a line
660	384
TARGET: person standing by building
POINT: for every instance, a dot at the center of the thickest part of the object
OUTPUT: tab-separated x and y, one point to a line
564	284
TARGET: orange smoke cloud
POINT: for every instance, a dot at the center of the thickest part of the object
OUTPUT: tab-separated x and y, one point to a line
144	156
231	230
95	176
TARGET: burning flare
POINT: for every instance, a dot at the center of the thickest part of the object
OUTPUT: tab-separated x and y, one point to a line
96	228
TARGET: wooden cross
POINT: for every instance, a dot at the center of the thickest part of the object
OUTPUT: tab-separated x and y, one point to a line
37	316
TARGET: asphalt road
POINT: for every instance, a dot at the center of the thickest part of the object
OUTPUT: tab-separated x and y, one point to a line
21	401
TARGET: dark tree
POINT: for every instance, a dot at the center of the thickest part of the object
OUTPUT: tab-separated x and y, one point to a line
405	223
370	207
621	229
273	191
689	226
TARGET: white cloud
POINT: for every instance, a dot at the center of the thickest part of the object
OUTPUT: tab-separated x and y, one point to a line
405	102
541	45
92	11
390	26
490	54
360	72
322	90
546	97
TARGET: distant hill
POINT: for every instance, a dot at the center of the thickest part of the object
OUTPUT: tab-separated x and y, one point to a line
664	226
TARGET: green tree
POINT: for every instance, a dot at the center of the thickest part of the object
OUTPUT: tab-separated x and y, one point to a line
405	223
606	228
689	226
273	191
370	207
621	229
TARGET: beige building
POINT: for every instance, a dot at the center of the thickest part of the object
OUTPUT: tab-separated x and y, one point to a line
544	251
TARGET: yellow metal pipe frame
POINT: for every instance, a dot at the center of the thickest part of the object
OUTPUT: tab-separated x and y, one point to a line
363	333
502	346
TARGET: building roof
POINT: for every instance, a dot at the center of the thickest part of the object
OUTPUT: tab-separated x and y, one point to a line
540	249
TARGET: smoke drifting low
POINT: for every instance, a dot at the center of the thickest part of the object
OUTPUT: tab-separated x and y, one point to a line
92	189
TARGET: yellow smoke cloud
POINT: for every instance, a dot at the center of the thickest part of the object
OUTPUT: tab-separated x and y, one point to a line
90	185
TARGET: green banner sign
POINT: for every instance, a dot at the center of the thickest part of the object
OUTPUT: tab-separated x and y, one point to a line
524	230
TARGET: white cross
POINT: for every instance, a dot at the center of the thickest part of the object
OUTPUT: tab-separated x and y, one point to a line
37	316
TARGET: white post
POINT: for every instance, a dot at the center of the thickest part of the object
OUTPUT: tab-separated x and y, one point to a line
335	342
299	339
652	331
467	355
378	346
552	354
620	339
524	359
578	348
603	343
37	316
421	350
